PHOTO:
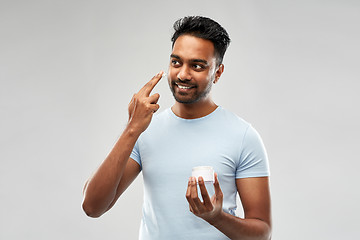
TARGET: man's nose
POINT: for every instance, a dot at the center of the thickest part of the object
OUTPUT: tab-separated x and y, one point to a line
184	74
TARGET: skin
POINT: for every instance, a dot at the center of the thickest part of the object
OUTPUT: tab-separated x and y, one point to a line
192	72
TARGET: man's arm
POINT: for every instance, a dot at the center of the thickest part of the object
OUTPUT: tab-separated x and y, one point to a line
255	198
117	171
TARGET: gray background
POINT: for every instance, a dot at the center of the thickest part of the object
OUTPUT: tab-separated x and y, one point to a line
69	68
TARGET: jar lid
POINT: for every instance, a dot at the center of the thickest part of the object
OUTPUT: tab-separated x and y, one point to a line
206	172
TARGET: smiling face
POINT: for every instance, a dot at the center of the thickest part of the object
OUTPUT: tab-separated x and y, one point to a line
192	69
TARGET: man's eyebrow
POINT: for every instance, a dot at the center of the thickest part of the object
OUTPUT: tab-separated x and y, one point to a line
199	60
192	60
174	56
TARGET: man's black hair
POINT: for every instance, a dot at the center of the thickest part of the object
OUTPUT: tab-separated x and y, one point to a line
205	28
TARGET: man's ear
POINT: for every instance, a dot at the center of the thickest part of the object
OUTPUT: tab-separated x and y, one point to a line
218	73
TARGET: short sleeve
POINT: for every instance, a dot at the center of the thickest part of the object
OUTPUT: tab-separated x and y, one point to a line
135	154
253	160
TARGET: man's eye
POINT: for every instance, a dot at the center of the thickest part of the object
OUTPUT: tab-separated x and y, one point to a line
198	67
174	62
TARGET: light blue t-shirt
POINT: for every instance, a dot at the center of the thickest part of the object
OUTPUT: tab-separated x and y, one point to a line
169	149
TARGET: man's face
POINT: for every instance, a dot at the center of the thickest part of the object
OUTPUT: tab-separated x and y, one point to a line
192	69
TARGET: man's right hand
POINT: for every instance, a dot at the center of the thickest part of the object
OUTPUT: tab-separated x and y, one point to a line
142	106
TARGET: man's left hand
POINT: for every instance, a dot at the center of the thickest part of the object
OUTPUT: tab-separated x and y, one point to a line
208	209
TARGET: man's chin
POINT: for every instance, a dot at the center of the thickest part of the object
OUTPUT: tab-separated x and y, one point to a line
185	100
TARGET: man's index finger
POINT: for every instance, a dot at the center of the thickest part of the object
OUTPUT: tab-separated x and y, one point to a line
152	83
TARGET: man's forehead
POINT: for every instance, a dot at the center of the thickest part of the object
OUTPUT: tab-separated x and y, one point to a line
189	47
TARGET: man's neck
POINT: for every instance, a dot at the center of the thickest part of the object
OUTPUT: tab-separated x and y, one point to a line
193	110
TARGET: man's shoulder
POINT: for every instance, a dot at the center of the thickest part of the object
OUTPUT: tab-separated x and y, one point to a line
232	118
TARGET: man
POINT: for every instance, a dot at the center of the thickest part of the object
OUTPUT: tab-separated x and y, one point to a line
194	132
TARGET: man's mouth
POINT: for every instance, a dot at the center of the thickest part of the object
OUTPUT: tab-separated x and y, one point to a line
183	86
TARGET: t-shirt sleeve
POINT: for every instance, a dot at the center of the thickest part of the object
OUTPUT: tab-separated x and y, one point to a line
253	160
135	154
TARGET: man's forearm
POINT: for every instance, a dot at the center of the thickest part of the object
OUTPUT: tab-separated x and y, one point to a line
242	229
101	188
